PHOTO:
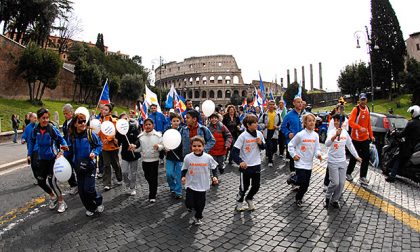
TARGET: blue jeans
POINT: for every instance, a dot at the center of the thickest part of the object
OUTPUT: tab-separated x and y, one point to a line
173	176
15	135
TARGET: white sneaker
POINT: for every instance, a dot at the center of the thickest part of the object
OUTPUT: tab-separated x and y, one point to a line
62	206
133	193
119	183
100	208
251	206
152	200
239	207
89	213
364	181
325	188
52	203
349	177
74	190
107	188
197	222
270	164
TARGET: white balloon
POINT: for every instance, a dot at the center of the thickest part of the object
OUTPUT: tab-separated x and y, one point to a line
84	111
208	107
95	125
62	169
122	126
171	139
108	128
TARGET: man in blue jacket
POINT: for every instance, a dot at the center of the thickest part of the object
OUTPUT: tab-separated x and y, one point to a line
291	126
158	118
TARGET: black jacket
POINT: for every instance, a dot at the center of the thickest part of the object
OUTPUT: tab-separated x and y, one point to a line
132	135
411	133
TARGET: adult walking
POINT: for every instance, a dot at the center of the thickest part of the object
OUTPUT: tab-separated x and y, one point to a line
15	126
158	118
232	122
68	115
362	136
292	125
110	149
85	147
281	139
270	123
26	137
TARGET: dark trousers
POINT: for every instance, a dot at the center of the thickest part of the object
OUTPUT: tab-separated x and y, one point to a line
362	148
101	163
327	178
45	173
150	170
303	180
291	161
72	181
231	147
38	174
195	200
271	145
247	179
111	158
282	143
91	199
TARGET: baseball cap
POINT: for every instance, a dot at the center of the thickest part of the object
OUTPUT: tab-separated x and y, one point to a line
362	96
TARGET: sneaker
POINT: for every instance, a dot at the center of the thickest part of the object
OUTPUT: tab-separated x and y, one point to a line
251	206
299	203
325	188
222	170
335	204
74	190
295	188
178	196
364	181
215	181
107	188
133	193
189	210
239	207
197	222
270	164
100	208
119	183
100	175
89	213
52	203
281	156
349	177
390	179
62	206
152	200
327	203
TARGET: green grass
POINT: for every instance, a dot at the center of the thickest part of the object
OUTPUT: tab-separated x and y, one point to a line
381	106
22	107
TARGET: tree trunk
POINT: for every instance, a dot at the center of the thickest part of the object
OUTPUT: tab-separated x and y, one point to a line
37	91
30	91
42	92
74	91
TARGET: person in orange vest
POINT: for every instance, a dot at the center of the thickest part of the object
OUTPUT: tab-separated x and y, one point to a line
361	135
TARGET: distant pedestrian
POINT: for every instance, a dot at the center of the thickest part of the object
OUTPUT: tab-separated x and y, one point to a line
15	126
196	177
303	148
232	122
281	140
246	153
26	137
270	123
68	115
150	145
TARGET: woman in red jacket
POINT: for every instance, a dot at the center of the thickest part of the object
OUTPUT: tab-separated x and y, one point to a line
223	142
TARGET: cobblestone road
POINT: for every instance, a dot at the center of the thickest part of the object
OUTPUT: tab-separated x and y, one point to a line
382	217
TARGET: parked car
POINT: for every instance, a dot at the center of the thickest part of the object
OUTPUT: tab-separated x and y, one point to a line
321	125
381	123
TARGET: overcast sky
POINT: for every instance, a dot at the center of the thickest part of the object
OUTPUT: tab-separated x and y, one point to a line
265	36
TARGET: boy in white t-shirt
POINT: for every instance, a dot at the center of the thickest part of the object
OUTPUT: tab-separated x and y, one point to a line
196	176
246	153
303	148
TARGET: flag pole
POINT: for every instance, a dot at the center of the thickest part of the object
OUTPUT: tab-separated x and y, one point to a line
106	81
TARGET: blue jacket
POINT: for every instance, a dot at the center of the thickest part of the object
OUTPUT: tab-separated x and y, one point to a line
160	121
45	143
26	136
291	124
201	131
81	148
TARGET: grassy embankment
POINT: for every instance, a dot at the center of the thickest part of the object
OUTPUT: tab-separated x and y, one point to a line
381	106
22	107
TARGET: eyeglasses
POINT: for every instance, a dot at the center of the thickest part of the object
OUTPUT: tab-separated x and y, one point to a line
81	121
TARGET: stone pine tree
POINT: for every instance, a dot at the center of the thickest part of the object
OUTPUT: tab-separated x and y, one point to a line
100	42
388	60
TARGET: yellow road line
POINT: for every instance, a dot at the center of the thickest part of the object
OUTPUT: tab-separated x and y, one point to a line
392	210
22	210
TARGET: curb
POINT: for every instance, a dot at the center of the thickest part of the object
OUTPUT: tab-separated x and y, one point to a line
6	166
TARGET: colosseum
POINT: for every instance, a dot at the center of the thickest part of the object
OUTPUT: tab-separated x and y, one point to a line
217	78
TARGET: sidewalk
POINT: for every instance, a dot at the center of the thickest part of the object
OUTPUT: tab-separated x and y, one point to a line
11	152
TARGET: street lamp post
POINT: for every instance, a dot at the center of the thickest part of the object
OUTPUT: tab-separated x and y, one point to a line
369	49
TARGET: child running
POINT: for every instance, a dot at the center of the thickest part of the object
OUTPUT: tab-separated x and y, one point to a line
150	145
337	140
303	148
174	162
196	177
246	153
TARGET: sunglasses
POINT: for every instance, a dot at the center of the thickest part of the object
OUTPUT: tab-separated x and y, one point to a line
81	121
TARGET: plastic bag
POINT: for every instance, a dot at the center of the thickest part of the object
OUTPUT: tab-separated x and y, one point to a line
373	155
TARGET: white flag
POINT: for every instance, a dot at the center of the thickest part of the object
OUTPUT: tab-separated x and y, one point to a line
151	98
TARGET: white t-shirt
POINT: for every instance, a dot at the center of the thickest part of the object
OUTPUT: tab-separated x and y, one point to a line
306	145
249	149
336	149
198	174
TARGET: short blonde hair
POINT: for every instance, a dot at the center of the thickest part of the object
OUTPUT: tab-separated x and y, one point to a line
305	119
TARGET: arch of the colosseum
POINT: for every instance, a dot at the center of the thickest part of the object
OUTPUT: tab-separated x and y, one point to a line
200	80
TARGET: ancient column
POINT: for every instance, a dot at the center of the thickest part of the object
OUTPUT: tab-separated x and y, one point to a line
320	76
311	76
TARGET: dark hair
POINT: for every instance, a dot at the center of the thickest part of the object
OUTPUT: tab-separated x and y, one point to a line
122	114
249	119
41	112
109	107
148	120
214	115
198	139
175	115
72	127
193	113
153	105
338	117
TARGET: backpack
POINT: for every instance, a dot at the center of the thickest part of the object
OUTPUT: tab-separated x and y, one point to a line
90	138
51	132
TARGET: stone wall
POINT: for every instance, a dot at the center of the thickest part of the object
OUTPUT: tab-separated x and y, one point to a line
13	86
323	99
